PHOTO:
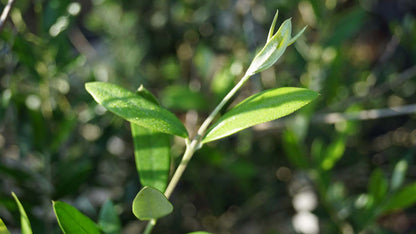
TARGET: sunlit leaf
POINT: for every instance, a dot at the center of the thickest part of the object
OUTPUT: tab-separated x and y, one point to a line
71	221
135	108
152	154
3	228
150	203
24	220
259	108
402	199
333	153
108	219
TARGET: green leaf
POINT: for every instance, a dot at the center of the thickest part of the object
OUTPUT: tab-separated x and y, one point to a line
333	153
146	94
108	219
378	185
135	108
71	221
152	154
3	228
399	174
183	98
24	220
402	199
259	108
150	203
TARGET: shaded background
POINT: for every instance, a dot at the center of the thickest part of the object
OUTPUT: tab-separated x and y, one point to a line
337	157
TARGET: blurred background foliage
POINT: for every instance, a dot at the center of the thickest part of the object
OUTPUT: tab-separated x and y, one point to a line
345	164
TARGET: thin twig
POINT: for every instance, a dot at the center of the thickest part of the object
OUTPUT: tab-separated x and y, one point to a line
5	14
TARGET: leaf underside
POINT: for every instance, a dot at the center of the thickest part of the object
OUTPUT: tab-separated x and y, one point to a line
150	203
24	220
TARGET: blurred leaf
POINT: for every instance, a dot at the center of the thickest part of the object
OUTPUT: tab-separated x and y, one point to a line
399	174
402	199
146	94
259	108
150	203
71	221
377	186
3	228
294	150
108	219
182	98
152	154
24	220
135	108
333	153
346	26
69	175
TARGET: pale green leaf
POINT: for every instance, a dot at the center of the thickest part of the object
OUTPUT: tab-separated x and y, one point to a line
108	219
402	199
3	228
152	154
135	108
399	174
24	220
71	221
259	108
150	204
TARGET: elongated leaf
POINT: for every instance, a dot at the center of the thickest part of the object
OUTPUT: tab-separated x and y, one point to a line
152	154
150	203
108	219
402	199
259	108
24	220
136	109
399	174
377	186
71	221
3	228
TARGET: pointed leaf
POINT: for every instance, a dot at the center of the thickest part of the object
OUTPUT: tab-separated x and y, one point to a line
150	203
146	94
377	186
3	228
402	199
71	221
108	219
259	108
136	109
152	154
399	174
271	30
24	220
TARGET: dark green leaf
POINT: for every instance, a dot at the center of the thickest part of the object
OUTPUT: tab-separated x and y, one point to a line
71	221
182	98
3	228
150	203
377	186
135	108
402	199
24	220
152	153
108	219
259	108
146	94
